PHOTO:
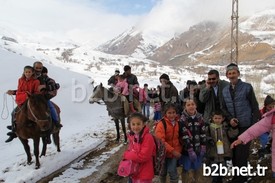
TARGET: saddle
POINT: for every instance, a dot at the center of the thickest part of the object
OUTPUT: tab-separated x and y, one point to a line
126	107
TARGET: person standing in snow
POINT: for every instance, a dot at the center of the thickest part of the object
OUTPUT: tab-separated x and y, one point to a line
241	109
168	93
141	149
264	138
266	124
211	94
144	100
168	132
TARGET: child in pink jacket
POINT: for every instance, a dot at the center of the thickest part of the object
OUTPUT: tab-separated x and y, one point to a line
141	149
264	125
122	86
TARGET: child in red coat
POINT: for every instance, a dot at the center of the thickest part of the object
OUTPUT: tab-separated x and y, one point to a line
141	149
27	84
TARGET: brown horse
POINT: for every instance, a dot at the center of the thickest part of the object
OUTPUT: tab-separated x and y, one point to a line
54	131
114	106
33	121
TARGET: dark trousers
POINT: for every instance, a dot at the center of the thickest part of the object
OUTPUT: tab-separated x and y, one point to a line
240	158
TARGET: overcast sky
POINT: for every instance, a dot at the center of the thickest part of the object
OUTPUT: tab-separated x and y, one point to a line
97	21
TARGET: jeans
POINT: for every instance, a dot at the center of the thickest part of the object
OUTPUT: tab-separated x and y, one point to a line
146	109
53	112
170	167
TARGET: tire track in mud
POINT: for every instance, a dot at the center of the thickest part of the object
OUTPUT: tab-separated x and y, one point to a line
103	159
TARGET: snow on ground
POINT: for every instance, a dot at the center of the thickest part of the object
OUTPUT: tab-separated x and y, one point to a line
84	124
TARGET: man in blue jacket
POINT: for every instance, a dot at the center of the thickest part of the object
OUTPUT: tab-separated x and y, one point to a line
241	110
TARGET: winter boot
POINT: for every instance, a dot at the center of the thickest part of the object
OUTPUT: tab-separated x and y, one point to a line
162	179
188	177
11	127
57	124
11	135
131	105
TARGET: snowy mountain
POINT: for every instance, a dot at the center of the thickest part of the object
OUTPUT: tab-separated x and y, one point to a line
262	26
184	56
133	43
206	42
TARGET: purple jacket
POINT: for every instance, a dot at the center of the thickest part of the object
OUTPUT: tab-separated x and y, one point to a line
264	125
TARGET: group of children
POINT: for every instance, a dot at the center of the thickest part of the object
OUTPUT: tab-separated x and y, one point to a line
184	137
188	141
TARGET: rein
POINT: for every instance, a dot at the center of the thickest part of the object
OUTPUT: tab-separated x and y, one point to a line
33	115
102	102
5	107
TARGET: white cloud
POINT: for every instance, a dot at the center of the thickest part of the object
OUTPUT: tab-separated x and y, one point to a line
78	20
170	17
86	21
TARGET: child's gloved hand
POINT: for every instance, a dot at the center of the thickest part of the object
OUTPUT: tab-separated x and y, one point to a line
192	155
203	150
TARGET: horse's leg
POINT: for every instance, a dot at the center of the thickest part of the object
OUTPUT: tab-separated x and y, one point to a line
27	150
56	140
44	148
124	129
36	141
117	130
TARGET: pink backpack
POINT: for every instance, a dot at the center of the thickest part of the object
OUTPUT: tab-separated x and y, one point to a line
127	168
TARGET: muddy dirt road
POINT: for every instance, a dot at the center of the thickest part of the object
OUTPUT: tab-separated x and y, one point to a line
105	161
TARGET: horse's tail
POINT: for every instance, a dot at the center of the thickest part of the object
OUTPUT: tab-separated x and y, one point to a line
56	140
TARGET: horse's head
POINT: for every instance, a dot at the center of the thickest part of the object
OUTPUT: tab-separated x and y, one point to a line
97	95
38	111
102	93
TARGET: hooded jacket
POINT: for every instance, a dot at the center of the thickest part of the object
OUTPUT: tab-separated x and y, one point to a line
141	149
25	87
264	125
170	136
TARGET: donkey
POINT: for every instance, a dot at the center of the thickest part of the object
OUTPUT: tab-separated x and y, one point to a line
114	105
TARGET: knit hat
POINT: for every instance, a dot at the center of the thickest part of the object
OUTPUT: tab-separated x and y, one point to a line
117	72
164	76
127	68
268	100
232	66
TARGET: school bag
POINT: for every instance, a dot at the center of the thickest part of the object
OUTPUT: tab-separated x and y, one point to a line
127	168
159	158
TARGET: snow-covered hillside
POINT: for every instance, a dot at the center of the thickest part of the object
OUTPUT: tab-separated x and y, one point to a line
261	25
84	124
